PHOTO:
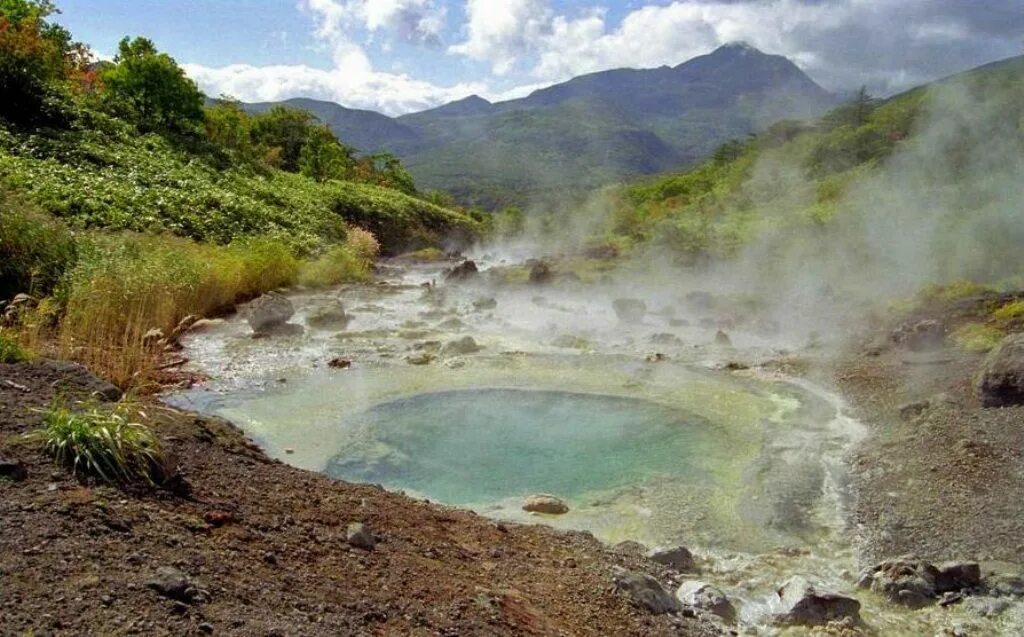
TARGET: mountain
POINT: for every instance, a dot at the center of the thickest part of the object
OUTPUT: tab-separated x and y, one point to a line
589	131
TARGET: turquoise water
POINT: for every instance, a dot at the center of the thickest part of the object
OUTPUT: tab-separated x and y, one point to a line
473	446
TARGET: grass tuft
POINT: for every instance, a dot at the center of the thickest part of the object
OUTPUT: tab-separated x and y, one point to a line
101	443
1010	311
977	338
11	351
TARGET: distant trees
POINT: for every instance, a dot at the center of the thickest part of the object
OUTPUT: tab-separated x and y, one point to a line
37	60
148	88
323	157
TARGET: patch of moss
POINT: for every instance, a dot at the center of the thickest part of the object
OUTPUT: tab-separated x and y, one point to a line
1010	311
977	338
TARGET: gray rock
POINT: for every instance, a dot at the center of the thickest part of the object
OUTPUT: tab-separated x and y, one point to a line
919	336
905	580
487	303
1005	584
1001	381
707	597
987	606
804	604
463	272
645	591
12	470
359	536
540	272
425	358
269	311
629	310
955	576
74	374
464	345
204	325
545	503
171	583
679	558
329	317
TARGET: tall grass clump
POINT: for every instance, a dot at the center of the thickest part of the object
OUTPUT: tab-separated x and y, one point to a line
35	248
11	351
351	261
101	443
126	285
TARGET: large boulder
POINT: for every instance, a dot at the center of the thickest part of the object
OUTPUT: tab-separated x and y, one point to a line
629	310
1001	381
804	604
678	558
906	580
544	503
706	597
540	272
331	316
645	591
463	272
464	345
920	335
956	576
271	310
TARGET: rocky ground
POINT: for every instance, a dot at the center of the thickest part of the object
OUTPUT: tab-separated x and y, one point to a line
260	548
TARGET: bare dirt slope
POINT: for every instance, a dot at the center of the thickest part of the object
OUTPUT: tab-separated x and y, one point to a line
265	546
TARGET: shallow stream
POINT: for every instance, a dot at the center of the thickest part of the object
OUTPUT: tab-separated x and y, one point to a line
744	468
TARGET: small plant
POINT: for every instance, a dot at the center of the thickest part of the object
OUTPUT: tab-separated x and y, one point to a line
1010	311
102	443
977	338
11	351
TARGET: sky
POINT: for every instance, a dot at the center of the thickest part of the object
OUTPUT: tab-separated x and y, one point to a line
400	56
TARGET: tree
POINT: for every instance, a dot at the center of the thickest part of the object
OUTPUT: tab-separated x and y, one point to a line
284	129
37	59
386	170
323	157
229	127
150	89
856	112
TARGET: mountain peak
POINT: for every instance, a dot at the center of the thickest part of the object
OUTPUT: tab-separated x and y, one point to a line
738	46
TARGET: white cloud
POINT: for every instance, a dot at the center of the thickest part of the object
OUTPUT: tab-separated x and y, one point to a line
500	31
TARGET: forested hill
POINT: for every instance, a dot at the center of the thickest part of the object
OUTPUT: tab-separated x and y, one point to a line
588	131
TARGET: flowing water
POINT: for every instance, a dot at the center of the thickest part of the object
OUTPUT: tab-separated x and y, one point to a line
744	468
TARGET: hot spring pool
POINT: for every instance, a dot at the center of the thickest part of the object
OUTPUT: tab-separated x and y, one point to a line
473	446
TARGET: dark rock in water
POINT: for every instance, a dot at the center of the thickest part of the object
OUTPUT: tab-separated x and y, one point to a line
630	310
544	503
284	329
679	558
645	591
707	597
339	363
955	576
919	336
540	272
462	272
464	345
171	583
721	338
329	317
665	338
804	604
12	470
1001	381
487	303
905	580
269	311
359	536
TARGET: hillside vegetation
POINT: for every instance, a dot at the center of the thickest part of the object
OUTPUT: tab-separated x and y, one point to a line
126	203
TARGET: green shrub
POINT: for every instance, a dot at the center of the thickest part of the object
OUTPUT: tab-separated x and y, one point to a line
102	443
1010	311
339	264
36	249
11	351
977	337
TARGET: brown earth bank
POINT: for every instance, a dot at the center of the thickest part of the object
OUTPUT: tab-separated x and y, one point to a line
262	548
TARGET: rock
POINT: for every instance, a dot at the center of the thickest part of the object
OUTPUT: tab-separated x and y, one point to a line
339	363
630	547
956	576
464	345
329	317
1001	381
171	583
462	272
645	591
909	411
424	358
919	336
184	325
269	311
706	597
665	338
488	303
152	337
655	357
204	325
679	558
359	536
905	580
544	503
540	272
75	374
22	299
12	470
721	338
630	310
1005	584
988	606
803	604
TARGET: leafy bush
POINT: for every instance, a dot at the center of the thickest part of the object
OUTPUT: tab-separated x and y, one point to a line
11	351
36	249
106	444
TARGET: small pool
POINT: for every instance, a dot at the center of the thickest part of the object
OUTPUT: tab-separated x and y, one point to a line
474	446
